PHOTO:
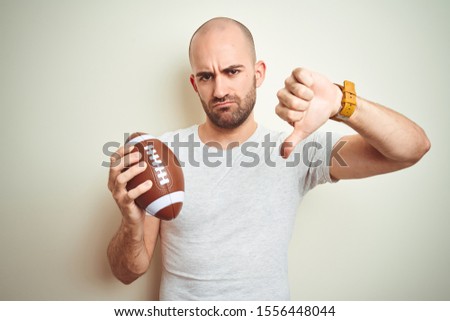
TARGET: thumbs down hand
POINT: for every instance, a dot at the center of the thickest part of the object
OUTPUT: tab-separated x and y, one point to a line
307	101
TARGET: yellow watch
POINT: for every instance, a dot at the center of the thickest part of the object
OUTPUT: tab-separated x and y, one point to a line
348	103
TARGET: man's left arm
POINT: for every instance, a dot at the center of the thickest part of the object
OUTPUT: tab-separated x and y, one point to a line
386	141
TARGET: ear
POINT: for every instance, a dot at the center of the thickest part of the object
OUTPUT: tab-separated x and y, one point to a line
192	79
260	72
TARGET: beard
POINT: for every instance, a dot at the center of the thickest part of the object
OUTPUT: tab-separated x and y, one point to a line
230	117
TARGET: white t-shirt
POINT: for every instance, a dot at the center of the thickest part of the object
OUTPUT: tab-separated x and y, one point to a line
230	241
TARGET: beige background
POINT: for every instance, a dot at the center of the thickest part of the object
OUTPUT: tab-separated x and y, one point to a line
75	75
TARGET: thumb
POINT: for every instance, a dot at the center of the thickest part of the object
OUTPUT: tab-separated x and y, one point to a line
292	140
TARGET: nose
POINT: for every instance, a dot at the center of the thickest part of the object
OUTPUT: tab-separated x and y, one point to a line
220	87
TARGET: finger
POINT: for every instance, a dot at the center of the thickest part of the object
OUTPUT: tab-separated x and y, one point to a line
118	164
303	76
114	168
124	177
125	161
116	157
119	190
131	159
139	190
288	115
121	151
287	99
292	140
298	89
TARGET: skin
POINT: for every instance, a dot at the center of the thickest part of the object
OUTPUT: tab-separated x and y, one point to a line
131	249
225	75
390	143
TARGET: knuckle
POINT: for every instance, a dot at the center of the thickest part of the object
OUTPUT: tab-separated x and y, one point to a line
116	197
114	162
280	93
296	104
123	198
278	110
121	178
302	72
130	195
297	70
301	91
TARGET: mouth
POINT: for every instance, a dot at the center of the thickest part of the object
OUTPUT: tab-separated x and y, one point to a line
223	105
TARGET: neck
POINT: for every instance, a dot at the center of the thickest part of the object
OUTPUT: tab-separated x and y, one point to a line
226	138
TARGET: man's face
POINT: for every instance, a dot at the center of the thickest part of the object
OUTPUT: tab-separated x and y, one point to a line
224	76
230	111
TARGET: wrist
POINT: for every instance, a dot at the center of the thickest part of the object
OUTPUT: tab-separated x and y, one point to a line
133	230
337	104
348	101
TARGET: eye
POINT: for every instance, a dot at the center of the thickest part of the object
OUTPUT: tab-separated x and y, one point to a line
233	72
205	77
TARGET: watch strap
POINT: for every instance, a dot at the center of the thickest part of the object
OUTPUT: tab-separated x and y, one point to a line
348	102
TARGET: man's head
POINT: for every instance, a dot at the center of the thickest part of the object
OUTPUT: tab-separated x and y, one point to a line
225	71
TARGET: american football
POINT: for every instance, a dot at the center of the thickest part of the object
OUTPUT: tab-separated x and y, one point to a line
165	199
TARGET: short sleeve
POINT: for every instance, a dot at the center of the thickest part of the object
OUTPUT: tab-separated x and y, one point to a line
315	154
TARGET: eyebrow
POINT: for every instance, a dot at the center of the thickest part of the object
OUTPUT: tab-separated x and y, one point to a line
234	67
203	73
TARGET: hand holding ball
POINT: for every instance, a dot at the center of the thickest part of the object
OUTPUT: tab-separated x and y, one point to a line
165	199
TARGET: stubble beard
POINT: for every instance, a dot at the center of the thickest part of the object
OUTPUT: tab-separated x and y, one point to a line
231	117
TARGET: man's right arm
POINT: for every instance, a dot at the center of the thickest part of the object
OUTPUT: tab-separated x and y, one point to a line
131	249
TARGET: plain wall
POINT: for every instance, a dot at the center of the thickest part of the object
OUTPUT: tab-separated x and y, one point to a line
76	75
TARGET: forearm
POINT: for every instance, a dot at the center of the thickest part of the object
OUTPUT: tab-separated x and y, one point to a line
393	135
127	253
386	141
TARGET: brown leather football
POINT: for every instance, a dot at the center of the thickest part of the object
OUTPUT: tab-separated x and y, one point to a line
165	198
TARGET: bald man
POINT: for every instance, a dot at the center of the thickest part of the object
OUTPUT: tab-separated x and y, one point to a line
230	242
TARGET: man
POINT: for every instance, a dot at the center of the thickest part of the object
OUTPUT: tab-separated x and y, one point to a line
230	241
